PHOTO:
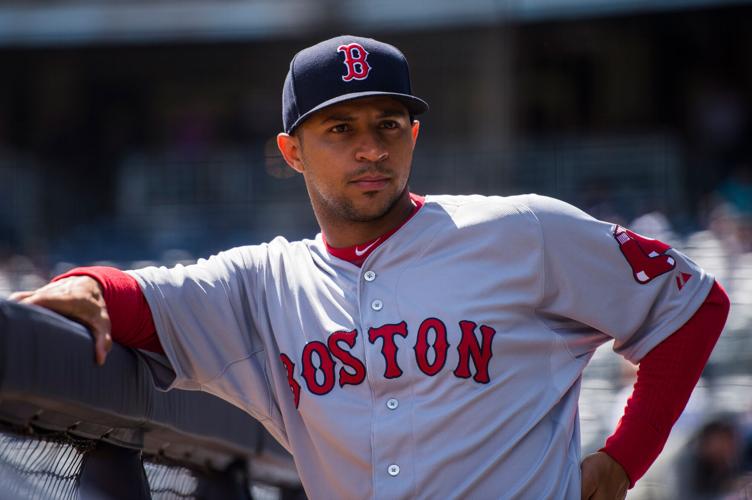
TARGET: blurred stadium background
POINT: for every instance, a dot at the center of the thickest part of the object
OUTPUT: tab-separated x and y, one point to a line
134	132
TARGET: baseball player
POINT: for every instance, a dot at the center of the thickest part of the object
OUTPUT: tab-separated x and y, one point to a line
418	346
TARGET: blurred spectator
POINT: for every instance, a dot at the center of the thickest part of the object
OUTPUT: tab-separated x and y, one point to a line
724	223
736	192
744	488
710	464
721	246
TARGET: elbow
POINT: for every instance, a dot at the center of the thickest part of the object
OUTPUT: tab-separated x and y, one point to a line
720	299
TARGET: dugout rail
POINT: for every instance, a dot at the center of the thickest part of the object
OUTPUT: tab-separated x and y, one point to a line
118	420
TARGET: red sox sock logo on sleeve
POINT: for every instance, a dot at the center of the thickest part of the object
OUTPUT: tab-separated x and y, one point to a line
355	61
647	257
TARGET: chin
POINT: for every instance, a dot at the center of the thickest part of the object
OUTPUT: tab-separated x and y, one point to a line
371	210
366	215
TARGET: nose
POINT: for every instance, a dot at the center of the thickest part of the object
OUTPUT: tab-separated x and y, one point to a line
371	149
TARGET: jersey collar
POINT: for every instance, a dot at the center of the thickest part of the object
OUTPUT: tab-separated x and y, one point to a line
357	254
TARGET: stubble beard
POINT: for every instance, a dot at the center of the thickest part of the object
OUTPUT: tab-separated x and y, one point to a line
343	208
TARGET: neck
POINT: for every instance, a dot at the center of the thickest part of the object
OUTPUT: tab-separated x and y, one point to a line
341	233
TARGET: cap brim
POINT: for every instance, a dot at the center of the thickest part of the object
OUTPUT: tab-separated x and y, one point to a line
414	105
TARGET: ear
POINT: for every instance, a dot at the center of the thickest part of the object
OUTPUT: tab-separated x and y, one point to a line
289	146
416	129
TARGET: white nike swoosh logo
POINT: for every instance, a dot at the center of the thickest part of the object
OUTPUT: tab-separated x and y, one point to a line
360	253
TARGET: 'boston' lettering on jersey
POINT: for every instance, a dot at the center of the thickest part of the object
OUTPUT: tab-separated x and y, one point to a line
353	370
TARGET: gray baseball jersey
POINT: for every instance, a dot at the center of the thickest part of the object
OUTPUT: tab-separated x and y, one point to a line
448	365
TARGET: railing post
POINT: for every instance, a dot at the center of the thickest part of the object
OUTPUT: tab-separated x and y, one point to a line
111	472
232	483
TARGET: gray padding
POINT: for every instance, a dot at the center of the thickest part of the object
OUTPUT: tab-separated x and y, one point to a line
48	379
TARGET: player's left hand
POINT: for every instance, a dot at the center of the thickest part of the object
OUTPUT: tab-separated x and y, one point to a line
603	478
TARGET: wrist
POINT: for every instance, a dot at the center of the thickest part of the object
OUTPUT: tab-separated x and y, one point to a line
634	446
89	278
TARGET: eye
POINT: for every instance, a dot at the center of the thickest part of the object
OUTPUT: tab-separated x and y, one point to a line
390	124
340	128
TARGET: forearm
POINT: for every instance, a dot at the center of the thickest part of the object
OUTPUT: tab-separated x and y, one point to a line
665	380
130	316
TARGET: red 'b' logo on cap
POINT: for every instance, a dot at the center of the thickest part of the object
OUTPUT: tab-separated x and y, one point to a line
355	61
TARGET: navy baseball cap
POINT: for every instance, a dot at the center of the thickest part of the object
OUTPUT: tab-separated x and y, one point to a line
341	69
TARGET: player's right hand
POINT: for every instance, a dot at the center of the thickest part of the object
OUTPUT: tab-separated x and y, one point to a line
80	299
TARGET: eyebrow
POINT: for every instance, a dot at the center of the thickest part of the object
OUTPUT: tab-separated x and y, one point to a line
344	117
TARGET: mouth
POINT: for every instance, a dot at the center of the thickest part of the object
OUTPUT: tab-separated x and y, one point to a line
370	182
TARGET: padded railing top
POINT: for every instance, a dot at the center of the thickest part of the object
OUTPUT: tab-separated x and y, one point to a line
49	381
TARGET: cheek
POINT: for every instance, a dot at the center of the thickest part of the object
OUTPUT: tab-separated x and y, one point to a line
331	153
325	169
403	157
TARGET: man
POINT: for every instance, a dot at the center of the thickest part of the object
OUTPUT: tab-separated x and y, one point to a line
427	347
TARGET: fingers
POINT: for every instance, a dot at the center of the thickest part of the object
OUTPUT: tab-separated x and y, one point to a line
589	474
51	300
103	345
93	314
589	486
602	478
98	323
19	296
101	329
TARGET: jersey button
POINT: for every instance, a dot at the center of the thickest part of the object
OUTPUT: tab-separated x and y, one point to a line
369	275
393	470
392	404
377	305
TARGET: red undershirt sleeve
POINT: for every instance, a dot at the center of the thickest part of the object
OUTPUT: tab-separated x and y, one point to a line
130	317
665	379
